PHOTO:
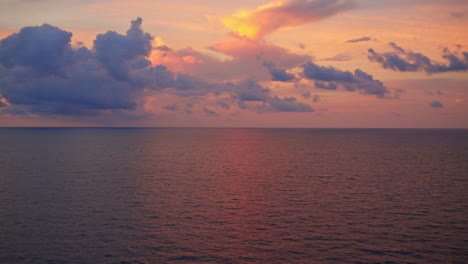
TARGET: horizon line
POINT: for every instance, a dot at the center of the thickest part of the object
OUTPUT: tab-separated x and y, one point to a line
231	127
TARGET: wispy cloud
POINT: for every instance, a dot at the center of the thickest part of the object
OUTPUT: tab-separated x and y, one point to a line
362	39
338	57
266	19
409	61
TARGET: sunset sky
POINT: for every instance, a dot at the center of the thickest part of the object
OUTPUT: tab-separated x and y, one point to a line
256	63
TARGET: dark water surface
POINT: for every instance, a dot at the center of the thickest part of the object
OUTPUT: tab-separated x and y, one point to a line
233	196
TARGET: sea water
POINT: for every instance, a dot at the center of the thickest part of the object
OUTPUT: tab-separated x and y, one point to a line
90	195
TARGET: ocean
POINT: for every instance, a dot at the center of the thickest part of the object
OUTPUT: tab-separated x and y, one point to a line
186	195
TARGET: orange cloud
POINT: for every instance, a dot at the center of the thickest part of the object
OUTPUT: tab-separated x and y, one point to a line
176	60
268	18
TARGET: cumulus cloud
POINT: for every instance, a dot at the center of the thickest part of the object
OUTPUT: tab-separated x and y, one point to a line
330	78
436	104
268	18
408	61
45	49
362	39
114	51
41	73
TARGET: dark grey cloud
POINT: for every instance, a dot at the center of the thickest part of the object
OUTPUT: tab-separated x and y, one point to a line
331	78
436	104
288	104
396	47
41	73
362	39
326	86
45	49
280	75
409	61
114	51
313	71
249	91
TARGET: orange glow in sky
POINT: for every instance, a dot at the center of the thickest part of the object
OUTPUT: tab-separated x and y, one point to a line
313	63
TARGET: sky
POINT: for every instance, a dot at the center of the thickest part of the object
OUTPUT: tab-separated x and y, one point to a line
286	63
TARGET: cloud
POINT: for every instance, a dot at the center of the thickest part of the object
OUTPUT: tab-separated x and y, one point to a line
330	78
301	46
409	61
362	39
114	50
42	74
243	48
288	104
116	76
436	104
209	112
45	49
326	86
249	90
247	57
313	71
338	57
251	95
244	59
280	75
266	19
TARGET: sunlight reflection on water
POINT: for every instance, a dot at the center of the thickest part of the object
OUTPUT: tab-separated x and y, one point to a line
233	196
